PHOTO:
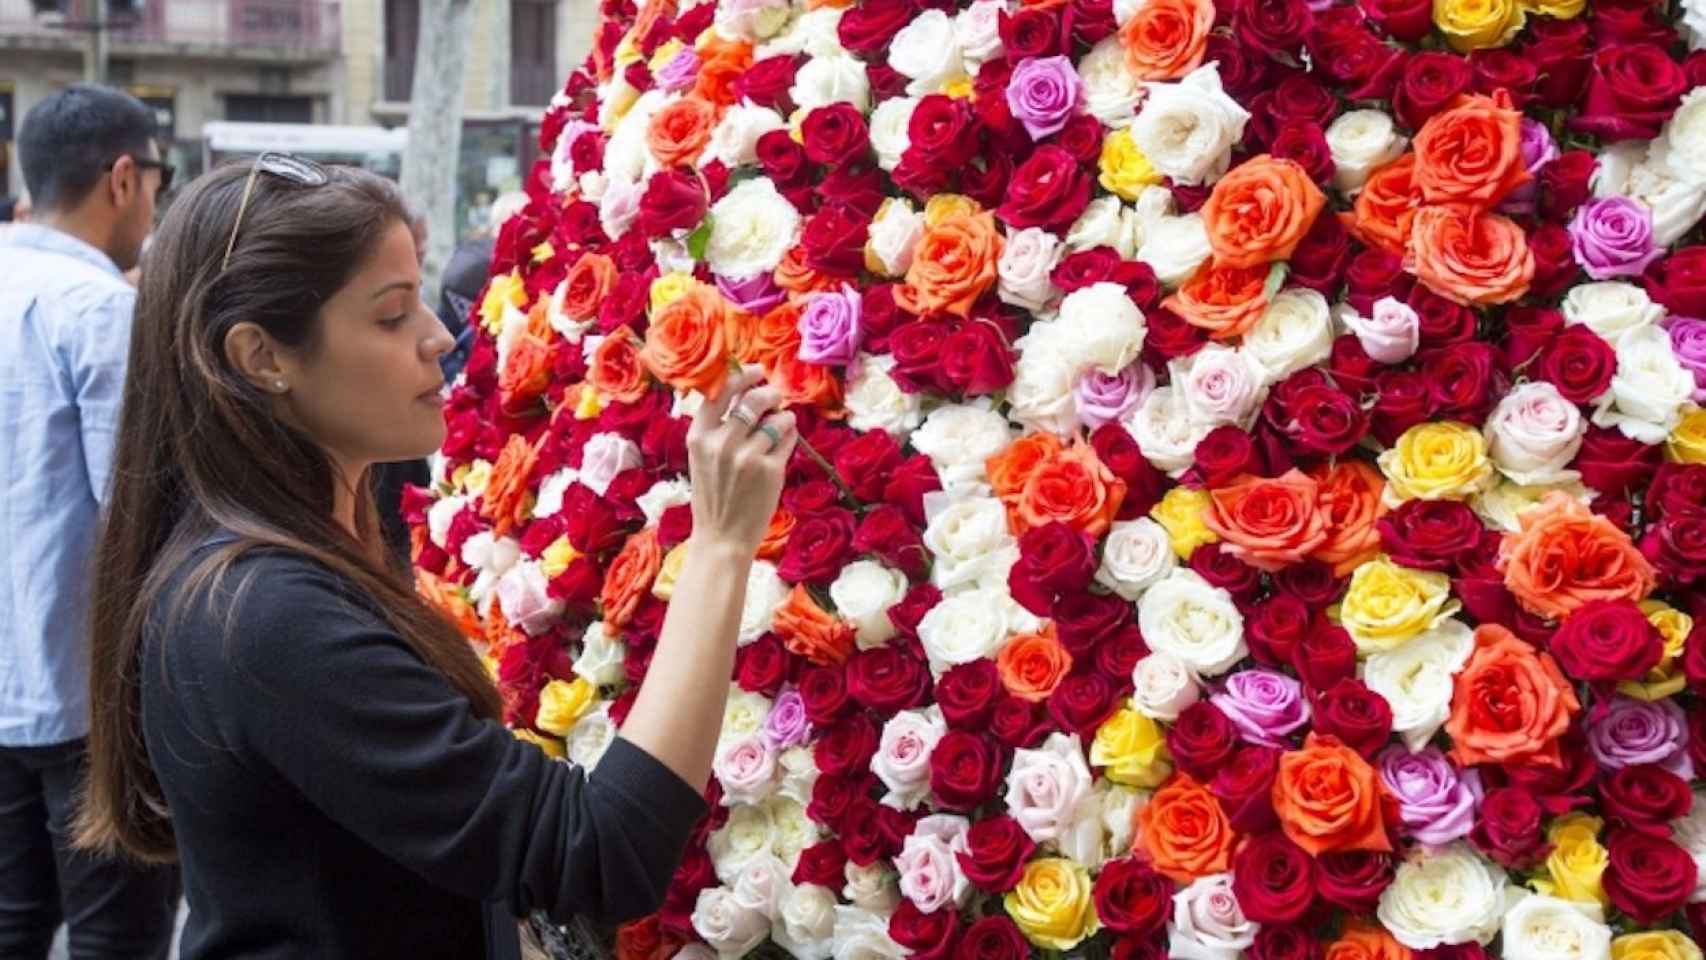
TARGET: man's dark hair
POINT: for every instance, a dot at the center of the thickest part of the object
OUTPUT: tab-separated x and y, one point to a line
71	139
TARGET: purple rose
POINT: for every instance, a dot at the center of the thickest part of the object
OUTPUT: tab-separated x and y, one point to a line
1435	804
1688	342
1103	399
830	327
1634	731
1538	149
787	725
1043	93
1263	705
755	294
1613	237
680	72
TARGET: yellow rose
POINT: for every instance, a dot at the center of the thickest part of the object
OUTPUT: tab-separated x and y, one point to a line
1558	9
557	557
507	289
1655	945
491	664
1436	461
1125	170
589	405
1387	604
1181	512
944	205
1577	861
664	586
544	252
669	288
960	89
664	54
1687	443
553	748
479	474
1477	24
561	703
1052	903
1133	749
1666	679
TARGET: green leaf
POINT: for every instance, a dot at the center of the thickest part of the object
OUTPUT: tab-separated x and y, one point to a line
698	238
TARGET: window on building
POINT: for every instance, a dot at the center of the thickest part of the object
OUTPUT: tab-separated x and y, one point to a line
533	52
402	31
247	108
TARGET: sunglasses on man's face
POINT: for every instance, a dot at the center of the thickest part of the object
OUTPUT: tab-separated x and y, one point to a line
297	170
167	171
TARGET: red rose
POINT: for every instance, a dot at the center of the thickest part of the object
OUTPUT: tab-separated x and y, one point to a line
1273	879
1442	322
1312	582
834	240
1429	534
927	936
887	534
1527	329
1243	73
1646	797
824	694
820	545
762	665
888	679
846	748
1201	740
1272	26
941	132
833	798
1358	716
1320	261
917	351
1284	943
915	477
1325	656
985	179
1082	138
1564	183
865	461
965	770
592	525
1695	68
1170	337
976	360
1048	190
823	863
1357	62
1244	788
1375	273
1632	91
1222	569
1555	267
1677	489
1018	724
1054	559
1509	829
995	854
967	693
1005	134
1676	546
1607	640
906	614
1623	21
866	28
1324	420
993	938
782	158
1092	21
1144	484
1297	97
1404	20
1431	82
672	201
1132	899
1116	657
1403	400
1648	877
1134	948
1084	619
861	832
1031	32
860	189
1679	282
1081	703
1504	69
1224	454
766	83
813	496
1083	268
1274	626
1613	463
1562	51
1578	362
1456	951
1353	880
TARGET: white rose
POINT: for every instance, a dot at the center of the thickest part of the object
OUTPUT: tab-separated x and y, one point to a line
1198	623
977	29
1360	141
746	768
1119	809
562	155
871	888
902	761
828	79
602	653
1611	308
805	922
762	882
876	402
1111	91
557	316
672	255
765	591
752	227
791	830
1220	385
1391	335
1136	554
958	438
1187	129
744	713
969	540
930	875
863	594
1416	679
748	833
735	139
1649	389
1683	142
1174	247
1676	197
443	513
663	495
1547	928
490	554
605	456
620	206
1101	328
1023	270
1296	331
1048	789
889	136
590	737
731	928
963	627
799	774
1040	396
862	935
751	20
1163	686
1165	432
1694	23
627	159
1534	433
1444	896
894	234
1208	923
1104	223
694	951
814	32
1689	833
592	185
927	52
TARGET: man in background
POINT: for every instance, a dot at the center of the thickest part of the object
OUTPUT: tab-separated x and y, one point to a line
94	173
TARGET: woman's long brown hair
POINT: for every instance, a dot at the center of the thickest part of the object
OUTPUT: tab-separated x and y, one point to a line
200	449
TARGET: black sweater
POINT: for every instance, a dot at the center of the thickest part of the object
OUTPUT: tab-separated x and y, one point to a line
333	796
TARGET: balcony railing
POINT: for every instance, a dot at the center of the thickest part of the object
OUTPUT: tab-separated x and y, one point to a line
308	26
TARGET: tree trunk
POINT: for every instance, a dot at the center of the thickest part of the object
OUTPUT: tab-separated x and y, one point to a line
435	129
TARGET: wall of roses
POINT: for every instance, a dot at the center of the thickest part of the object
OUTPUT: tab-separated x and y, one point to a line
1269	511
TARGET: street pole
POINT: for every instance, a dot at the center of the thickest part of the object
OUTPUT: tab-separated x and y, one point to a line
95	59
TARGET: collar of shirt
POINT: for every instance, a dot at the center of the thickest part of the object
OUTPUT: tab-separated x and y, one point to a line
34	236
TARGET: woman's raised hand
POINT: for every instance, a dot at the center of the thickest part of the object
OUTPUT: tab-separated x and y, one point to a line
738	448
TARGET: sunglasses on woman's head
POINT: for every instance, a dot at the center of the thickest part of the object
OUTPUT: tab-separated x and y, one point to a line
298	170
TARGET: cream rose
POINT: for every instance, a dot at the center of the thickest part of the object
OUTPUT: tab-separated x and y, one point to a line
1683	142
1220	385
1534	434
827	79
1360	141
871	888
1101	328
1104	223
1111	91
894	233
762	882
1165	432
1689	832
805	922
977	29
1184	616
889	136
1135	555
1444	896
1174	247
1208	923
601	656
748	833
958	438
862	935
1296	331
1049	794
752	227
735	139
1163	686
1547	928
902	761
751	20
1649	389
863	594
927	52
1611	308
1390	335
744	713
1040	396
875	402
963	627
1023	270
1187	129
765	591
799	776
589	738
1502	506
930	874
969	540
730	927
1416	679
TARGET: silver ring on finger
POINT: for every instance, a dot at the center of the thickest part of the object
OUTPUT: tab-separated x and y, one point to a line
773	434
739	413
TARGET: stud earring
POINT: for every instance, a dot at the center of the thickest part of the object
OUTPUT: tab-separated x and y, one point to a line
280	386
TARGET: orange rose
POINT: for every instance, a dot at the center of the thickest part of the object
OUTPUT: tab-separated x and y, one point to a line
1470	257
1471	153
809	631
1225	301
629	577
506	491
1362	940
1031	665
774	334
680	130
448	600
1259	211
644	939
685	345
776	534
1269	523
587	285
1509	704
617	369
1328	798
1185	832
953	264
721	63
1165	39
805	384
1073	487
1565	555
525	374
1010	469
1387	205
739	328
1350	505
794	276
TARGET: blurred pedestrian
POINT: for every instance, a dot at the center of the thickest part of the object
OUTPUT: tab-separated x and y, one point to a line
94	171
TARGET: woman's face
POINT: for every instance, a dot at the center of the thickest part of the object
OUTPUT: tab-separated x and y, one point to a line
370	391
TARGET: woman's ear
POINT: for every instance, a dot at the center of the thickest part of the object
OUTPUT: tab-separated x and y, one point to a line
252	354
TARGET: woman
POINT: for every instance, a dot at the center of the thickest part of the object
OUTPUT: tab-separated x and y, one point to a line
274	707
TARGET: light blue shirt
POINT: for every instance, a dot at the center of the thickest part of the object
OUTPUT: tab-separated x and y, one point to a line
65	315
